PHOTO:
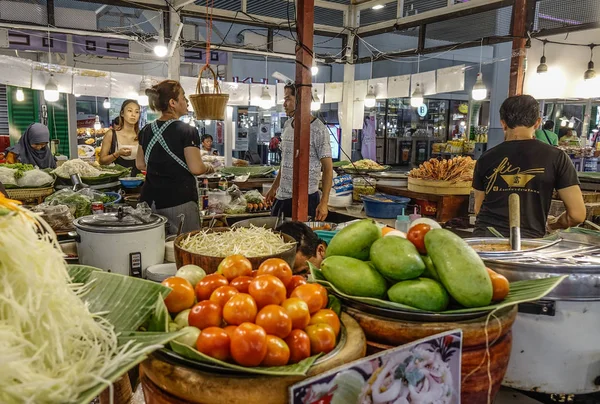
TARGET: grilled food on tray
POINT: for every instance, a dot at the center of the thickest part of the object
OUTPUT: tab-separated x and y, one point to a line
454	170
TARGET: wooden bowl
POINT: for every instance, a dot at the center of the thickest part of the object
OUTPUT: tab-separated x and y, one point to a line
210	264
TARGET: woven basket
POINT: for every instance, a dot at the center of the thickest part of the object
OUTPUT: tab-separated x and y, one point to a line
209	106
29	194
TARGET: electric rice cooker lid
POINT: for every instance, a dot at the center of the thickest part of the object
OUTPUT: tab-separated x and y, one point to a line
118	223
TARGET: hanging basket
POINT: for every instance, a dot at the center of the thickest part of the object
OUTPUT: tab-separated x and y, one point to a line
209	106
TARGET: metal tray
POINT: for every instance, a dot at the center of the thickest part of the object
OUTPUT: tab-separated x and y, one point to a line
533	245
174	358
408	315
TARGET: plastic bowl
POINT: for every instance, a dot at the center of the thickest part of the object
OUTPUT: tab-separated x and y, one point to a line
131	182
114	195
354	209
384	206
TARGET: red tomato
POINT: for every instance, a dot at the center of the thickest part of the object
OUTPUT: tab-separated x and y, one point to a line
298	311
241	283
267	289
278	268
214	342
326	316
241	308
235	265
313	294
296	281
249	344
205	314
230	329
275	320
222	294
254	273
181	296
208	284
322	338
416	235
299	345
278	353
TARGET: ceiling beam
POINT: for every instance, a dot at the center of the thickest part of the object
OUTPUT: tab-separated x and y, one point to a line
433	16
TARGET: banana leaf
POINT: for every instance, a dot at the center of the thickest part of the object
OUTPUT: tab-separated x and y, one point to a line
127	303
520	292
111	173
253	172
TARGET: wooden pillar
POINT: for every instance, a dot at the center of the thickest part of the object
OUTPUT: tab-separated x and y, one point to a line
517	62
305	16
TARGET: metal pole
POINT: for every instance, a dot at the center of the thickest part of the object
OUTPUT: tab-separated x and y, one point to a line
305	15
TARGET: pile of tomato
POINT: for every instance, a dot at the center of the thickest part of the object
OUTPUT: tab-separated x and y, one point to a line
264	317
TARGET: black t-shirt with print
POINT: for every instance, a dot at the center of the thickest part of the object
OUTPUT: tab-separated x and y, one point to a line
529	168
169	184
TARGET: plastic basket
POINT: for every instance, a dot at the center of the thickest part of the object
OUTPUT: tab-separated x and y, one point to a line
209	106
384	206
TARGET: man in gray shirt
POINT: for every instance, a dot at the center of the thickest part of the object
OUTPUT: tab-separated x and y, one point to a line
319	161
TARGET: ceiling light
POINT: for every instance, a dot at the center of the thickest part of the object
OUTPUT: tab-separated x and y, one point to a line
590	73
479	90
77	95
370	99
97	124
186	119
315	68
265	102
192	123
20	95
207	122
417	97
51	90
315	104
378	7
160	49
106	103
543	67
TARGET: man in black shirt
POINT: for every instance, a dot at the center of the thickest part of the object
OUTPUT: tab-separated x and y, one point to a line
531	169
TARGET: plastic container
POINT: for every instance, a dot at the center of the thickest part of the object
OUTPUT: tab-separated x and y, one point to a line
326	235
340	201
160	272
361	187
114	195
414	216
131	182
385	206
402	222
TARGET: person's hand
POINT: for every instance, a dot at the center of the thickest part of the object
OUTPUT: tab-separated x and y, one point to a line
270	196
551	224
125	151
322	212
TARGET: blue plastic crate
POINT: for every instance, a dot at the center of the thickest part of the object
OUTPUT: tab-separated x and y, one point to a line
384	206
326	235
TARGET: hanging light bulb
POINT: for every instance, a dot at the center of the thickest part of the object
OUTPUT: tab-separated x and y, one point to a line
207	122
590	73
142	97
543	67
20	95
160	49
77	95
266	101
51	90
315	68
479	90
370	99
106	103
417	97
315	104
97	124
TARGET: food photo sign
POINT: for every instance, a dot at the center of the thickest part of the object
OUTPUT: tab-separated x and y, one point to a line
425	371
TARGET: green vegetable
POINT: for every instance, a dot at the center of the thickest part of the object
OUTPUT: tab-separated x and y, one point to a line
190	337
77	203
460	269
355	240
430	271
21	168
354	277
396	258
421	293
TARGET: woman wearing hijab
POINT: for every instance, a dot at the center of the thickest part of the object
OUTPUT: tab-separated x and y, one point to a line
33	148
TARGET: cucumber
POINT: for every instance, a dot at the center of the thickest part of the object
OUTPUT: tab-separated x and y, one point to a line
460	269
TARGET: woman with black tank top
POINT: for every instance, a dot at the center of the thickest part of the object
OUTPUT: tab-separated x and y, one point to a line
120	146
170	154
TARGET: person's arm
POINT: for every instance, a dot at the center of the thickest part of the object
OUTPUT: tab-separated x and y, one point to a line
479	197
327	182
270	196
193	159
140	160
105	156
575	212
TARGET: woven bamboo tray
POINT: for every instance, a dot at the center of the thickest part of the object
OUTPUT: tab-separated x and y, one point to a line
439	187
28	194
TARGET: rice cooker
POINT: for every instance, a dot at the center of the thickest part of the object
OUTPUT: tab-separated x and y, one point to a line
555	340
122	243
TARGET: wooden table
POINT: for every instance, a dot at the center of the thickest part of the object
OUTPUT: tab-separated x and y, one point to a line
448	206
254	183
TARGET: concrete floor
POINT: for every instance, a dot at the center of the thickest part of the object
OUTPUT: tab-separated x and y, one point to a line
509	396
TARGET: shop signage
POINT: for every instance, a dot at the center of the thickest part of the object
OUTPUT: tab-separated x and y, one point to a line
422	110
427	370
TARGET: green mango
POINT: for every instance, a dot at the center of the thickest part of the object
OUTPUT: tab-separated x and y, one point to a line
420	293
353	277
460	269
430	271
354	240
396	258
